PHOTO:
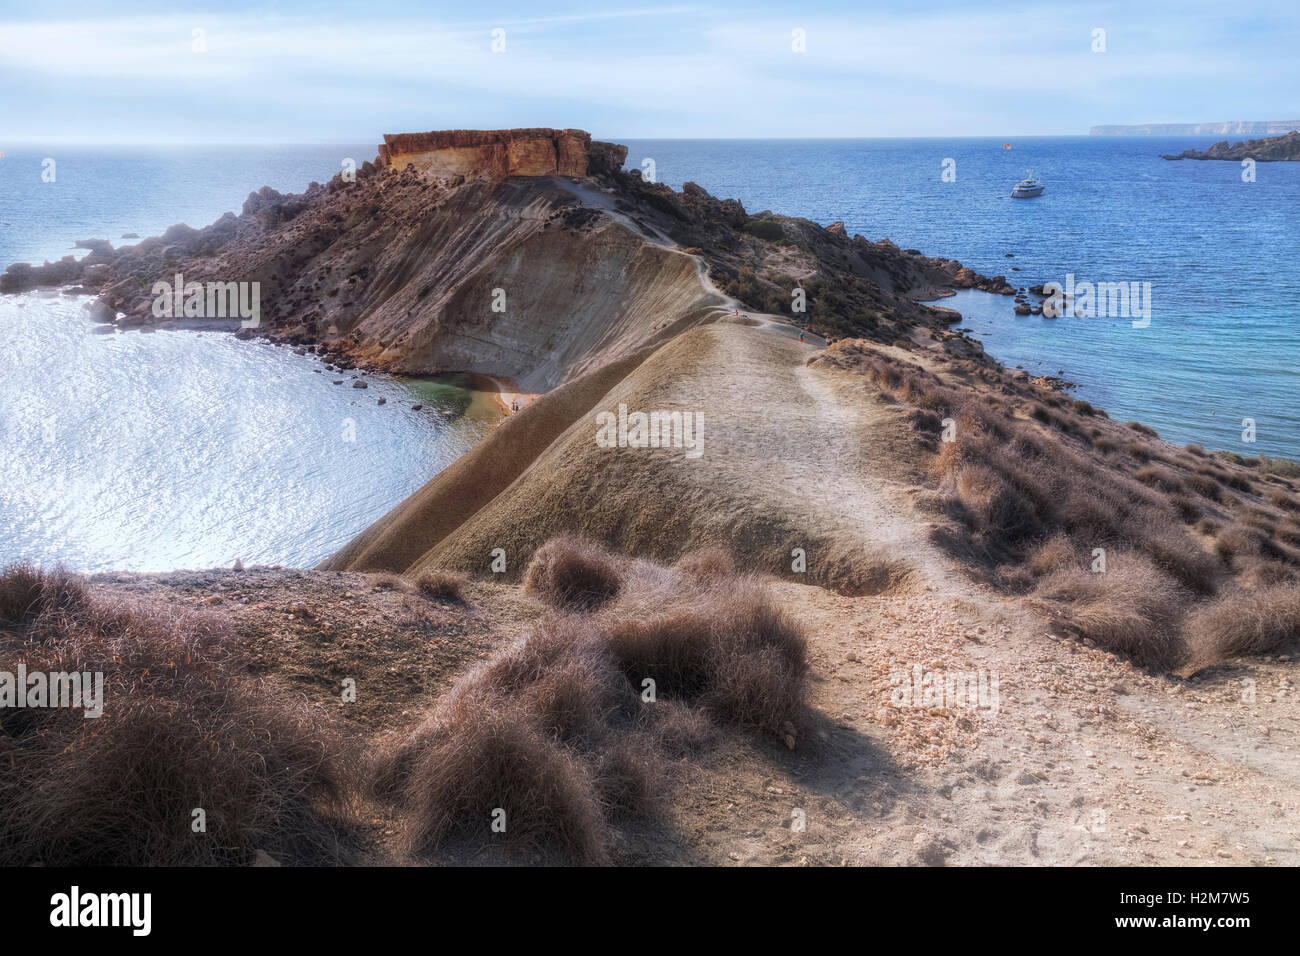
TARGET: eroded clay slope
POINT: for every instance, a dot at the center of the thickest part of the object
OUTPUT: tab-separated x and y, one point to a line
784	463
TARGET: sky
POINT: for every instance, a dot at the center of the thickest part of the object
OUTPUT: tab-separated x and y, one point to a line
336	72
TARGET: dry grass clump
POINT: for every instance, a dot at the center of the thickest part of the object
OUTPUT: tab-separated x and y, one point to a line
572	573
1030	504
1281	467
1156	476
1204	485
708	564
1226	478
1188	508
931	502
481	755
731	649
1018	489
1259	621
1284	501
1236	540
1261	521
680	729
561	731
1259	574
27	593
183	728
1132	608
1056	554
442	585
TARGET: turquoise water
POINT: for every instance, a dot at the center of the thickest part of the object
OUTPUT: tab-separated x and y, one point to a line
1222	255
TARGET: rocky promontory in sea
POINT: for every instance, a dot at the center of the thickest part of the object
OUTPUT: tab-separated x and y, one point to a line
1276	149
399	267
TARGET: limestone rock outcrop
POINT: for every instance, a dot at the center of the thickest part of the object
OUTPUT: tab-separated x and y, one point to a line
1279	149
498	153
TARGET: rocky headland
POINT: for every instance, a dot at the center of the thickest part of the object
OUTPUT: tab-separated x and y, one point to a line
1276	149
481	250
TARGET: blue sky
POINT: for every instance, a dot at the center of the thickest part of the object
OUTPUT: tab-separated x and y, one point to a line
348	72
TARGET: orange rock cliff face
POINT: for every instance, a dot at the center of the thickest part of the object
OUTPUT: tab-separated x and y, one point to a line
498	153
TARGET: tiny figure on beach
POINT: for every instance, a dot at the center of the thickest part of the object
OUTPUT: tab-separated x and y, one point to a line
801	337
514	405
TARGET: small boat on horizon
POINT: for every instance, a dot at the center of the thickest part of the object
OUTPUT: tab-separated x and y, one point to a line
1028	188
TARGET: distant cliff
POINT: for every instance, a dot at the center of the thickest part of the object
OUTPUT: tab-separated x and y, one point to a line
1227	128
1279	149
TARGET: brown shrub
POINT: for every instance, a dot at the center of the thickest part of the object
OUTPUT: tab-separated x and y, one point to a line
1188	508
27	593
480	753
1259	574
572	573
1284	501
1055	554
731	649
1158	477
1205	486
707	564
1259	621
627	776
555	731
1017	490
1132	608
441	585
680	729
183	727
1235	540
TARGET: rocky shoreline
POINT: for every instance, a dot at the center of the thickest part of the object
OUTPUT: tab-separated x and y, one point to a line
1276	149
396	270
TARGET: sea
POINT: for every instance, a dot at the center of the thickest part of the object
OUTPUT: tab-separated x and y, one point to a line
177	449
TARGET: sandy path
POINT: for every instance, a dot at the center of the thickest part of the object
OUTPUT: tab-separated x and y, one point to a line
1083	760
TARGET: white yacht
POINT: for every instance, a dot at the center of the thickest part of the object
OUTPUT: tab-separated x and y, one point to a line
1028	188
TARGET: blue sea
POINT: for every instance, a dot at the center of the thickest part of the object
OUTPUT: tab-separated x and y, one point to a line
1222	257
177	449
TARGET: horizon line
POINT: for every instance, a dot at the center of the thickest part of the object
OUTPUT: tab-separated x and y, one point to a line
26	141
